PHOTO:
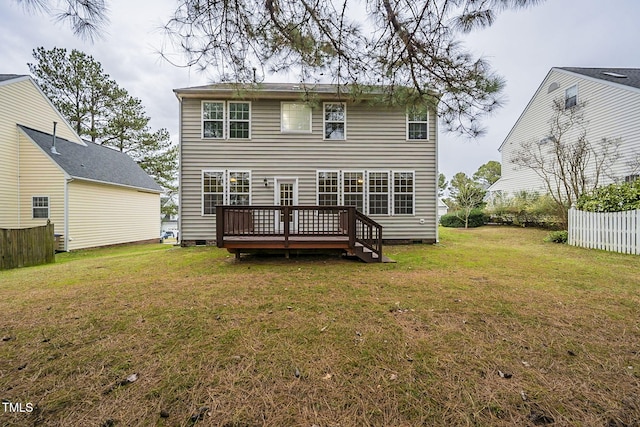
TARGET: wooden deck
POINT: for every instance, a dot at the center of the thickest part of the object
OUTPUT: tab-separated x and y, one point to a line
284	228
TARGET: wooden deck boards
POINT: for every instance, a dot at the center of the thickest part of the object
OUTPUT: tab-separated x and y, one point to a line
279	242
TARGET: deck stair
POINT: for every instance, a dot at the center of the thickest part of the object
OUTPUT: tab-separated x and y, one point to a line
367	255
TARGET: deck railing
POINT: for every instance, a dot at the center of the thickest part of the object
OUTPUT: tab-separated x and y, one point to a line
298	222
368	233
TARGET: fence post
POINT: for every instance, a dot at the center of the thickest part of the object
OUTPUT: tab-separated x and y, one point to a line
571	238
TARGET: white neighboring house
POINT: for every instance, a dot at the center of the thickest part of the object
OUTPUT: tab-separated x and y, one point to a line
442	207
612	110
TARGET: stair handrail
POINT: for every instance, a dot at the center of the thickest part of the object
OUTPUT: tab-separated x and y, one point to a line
370	235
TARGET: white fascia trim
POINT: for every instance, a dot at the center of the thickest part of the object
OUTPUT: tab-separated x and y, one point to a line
114	184
542	84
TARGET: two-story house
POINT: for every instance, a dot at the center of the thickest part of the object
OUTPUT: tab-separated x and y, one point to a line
94	195
611	104
274	145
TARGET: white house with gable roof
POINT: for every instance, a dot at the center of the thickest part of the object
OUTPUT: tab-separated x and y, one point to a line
611	110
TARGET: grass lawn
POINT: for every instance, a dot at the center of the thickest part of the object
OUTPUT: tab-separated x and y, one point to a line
491	327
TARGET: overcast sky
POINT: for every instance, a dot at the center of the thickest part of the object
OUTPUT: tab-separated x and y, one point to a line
521	46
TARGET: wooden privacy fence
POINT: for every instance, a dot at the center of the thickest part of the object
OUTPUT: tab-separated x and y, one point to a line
609	231
27	246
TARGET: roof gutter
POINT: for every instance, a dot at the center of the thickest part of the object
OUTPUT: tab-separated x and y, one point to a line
132	187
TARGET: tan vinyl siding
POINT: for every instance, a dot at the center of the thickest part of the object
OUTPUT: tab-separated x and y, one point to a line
376	141
39	176
611	111
101	215
21	103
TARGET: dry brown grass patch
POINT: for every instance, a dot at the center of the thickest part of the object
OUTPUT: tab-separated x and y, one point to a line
490	328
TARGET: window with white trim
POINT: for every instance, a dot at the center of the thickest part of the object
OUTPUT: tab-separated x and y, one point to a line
213	119
353	189
225	188
571	96
335	119
212	191
403	192
239	120
239	188
417	123
226	120
328	188
295	117
378	187
371	192
40	207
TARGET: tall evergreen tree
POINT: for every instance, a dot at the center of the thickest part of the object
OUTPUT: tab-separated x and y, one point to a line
488	174
77	86
100	110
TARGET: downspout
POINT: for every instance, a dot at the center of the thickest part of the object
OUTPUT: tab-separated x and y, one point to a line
180	173
19	200
66	213
436	138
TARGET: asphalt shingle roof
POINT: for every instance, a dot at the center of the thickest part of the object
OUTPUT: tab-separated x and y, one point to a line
632	75
93	162
4	77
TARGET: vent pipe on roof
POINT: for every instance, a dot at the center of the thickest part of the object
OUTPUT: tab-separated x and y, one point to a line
53	147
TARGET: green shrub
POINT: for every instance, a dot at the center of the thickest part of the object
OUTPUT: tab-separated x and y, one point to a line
560	236
612	198
477	218
525	209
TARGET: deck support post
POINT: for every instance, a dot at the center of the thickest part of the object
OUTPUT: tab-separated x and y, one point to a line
351	221
219	226
287	226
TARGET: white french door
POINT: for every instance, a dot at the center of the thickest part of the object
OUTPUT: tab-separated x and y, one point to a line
286	194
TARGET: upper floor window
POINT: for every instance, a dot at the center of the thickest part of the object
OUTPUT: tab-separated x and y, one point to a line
239	120
295	117
335	120
222	119
571	96
40	207
417	123
213	119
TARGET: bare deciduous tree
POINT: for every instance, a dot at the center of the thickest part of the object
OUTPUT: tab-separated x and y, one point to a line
567	162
